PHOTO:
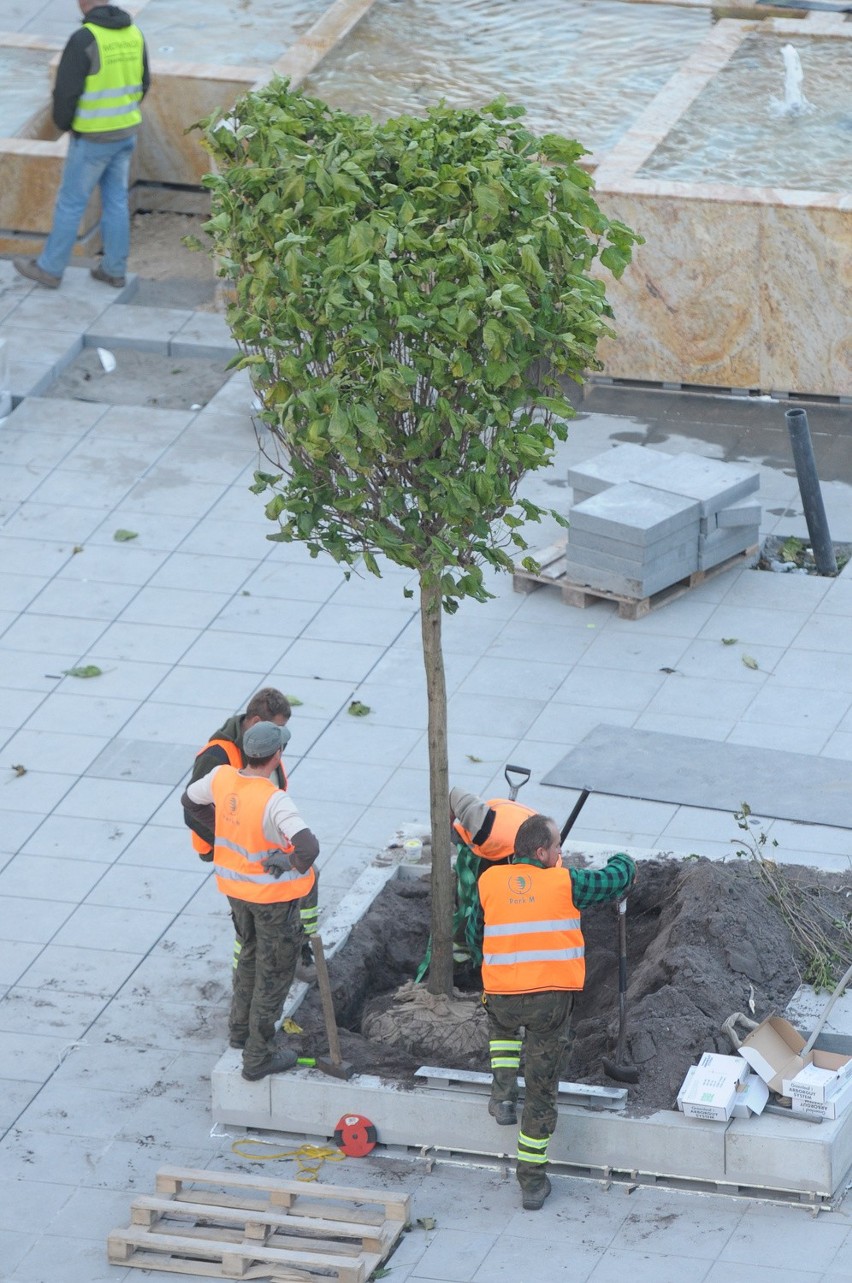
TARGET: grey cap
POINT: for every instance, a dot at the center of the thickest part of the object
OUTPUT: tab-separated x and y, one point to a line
264	738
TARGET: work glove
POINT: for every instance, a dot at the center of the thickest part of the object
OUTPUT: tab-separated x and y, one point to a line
307	956
276	863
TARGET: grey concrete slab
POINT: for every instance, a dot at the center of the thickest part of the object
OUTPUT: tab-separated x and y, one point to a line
581	540
118	799
632	586
679	561
712	552
50	878
714	484
636	513
141	760
97	839
696	772
147	329
623	462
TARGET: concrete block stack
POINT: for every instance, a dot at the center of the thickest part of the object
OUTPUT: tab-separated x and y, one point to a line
643	520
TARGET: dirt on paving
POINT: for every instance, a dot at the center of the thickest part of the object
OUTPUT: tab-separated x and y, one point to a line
704	941
170	274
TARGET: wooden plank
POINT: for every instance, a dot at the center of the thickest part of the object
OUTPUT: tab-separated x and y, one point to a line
147	1209
583	595
396	1206
231	1257
248	1227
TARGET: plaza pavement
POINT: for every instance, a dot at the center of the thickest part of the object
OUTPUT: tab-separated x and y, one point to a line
114	946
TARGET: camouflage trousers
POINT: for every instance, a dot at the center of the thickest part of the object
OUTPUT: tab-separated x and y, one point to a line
546	1020
308	915
269	936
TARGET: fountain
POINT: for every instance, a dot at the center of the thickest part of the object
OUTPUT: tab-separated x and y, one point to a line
794	99
743	282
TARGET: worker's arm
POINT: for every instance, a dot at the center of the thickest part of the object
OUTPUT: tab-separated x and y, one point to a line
283	823
596	886
199	812
201	817
74	66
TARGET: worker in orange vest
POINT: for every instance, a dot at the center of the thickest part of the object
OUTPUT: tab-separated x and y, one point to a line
532	965
263	856
226	746
484	834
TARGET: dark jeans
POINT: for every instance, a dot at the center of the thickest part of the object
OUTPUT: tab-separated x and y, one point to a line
269	936
546	1017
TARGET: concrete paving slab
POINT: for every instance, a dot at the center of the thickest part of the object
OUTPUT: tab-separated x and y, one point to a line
636	514
698	772
140	760
58	1013
623	462
50	878
147	329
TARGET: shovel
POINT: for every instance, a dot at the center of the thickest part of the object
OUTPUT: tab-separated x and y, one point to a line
617	1068
337	1067
523	773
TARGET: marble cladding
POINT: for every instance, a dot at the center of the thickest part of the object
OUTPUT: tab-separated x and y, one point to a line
735	287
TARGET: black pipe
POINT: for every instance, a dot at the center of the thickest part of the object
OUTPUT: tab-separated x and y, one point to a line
803	457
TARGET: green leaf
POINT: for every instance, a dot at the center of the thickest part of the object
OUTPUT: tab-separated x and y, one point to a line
85	670
294	701
124	536
729	641
357	709
749	662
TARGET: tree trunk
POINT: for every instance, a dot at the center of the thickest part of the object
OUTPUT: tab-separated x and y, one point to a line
440	979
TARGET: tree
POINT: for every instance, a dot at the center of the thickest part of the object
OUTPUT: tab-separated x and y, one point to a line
406	297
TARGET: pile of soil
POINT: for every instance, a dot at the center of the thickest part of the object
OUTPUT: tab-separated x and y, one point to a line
703	942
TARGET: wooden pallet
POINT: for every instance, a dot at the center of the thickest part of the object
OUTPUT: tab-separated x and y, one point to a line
226	1225
551	573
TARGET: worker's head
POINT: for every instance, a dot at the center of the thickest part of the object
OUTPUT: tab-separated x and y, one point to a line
268	705
538	839
263	743
86	5
475	816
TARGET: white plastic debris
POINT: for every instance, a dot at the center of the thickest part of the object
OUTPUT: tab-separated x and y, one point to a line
107	359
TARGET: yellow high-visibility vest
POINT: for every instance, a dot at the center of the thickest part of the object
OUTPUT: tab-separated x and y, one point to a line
110	98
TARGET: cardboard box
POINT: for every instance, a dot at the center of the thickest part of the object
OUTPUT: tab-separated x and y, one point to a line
751	1097
774	1052
833	1107
709	1091
817	1083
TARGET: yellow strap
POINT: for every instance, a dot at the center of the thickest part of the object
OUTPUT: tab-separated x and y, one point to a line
309	1158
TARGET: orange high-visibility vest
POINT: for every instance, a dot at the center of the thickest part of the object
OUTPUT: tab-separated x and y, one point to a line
235	758
532	939
500	843
241	844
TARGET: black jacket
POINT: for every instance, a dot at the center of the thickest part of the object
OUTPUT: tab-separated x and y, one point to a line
80	59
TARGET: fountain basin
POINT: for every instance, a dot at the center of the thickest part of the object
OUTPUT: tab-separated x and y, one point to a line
743	283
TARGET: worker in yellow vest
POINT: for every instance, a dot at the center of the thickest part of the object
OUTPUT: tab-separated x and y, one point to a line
225	746
101	80
263	857
533	962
